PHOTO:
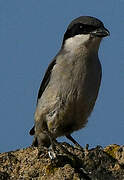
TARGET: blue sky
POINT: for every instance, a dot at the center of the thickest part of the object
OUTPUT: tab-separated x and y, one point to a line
31	32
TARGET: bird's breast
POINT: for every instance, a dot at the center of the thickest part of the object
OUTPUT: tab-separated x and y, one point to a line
79	76
71	94
78	82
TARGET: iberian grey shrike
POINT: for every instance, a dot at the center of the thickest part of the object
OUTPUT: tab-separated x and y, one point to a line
70	86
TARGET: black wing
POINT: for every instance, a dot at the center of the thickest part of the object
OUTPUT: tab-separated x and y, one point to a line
43	85
46	79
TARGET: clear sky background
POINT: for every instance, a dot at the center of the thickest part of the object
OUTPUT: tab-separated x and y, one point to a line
31	32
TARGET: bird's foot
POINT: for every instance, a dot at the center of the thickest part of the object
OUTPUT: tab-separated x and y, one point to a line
57	149
53	149
52	154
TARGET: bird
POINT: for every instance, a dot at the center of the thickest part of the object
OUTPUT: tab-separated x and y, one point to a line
71	83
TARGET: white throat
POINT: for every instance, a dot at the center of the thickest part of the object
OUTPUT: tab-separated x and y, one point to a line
75	42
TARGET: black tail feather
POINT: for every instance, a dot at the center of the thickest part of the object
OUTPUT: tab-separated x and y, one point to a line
32	131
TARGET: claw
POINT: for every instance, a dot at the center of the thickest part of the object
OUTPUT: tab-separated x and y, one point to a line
52	155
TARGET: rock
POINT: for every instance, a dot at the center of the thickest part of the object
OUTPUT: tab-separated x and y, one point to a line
70	164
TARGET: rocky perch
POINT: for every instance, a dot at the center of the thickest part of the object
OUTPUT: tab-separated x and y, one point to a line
72	164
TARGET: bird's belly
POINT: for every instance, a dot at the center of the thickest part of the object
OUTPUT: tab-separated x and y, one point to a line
68	101
73	106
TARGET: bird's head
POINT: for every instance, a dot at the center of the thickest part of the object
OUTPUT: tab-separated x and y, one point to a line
84	31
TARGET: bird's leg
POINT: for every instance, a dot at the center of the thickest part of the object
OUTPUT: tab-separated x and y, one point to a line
54	143
73	140
52	148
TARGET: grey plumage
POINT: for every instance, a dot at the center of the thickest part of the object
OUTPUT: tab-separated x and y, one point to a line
71	83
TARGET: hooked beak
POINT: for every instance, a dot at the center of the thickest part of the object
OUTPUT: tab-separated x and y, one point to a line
101	32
